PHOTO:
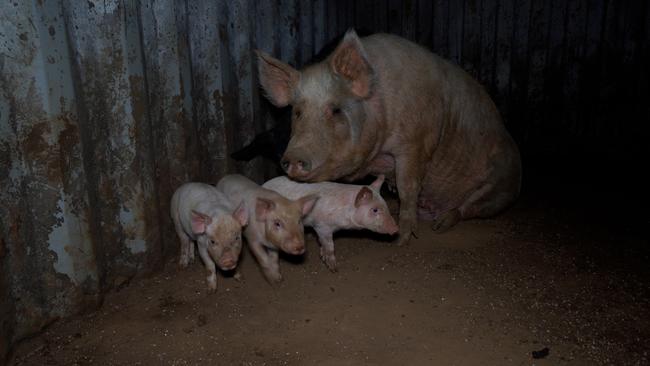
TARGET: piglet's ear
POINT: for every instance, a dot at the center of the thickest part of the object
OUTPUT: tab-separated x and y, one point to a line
262	208
378	182
349	60
241	214
308	202
364	196
278	79
200	222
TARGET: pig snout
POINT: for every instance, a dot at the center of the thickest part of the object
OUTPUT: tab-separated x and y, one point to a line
295	248
227	261
296	167
390	227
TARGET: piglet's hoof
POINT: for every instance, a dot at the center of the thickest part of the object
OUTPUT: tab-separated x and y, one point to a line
238	276
330	262
212	288
184	262
274	278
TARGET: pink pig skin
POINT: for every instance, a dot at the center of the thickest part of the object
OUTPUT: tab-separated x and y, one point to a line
340	206
275	221
203	214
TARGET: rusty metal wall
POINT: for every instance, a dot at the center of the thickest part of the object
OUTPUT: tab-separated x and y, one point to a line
108	105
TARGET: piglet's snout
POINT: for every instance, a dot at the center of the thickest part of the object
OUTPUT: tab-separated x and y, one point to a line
297	248
390	227
227	261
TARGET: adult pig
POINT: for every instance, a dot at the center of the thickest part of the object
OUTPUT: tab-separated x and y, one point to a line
384	105
203	214
340	206
275	221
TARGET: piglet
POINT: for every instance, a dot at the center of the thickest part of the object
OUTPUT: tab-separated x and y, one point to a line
341	206
275	224
203	214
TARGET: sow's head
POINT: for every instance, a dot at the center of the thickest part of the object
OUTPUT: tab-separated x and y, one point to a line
332	102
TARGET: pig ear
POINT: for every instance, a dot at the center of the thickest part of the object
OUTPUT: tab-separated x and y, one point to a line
241	214
308	202
364	196
378	182
277	78
200	222
263	207
349	60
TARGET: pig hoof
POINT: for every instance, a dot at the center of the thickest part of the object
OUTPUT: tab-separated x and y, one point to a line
212	283
274	278
330	262
403	239
238	276
446	221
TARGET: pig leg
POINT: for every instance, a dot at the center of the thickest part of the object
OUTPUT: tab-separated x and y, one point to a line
409	182
326	247
266	260
274	264
209	265
499	191
490	198
187	244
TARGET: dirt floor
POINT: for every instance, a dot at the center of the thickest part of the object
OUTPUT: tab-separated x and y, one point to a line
572	281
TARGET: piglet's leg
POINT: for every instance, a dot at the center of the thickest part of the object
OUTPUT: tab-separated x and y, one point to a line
326	247
267	262
186	245
274	265
190	252
209	265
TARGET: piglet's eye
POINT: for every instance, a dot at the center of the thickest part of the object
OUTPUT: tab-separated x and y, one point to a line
297	113
277	224
375	210
336	111
212	242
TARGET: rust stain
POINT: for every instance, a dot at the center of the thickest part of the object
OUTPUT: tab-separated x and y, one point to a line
139	101
39	153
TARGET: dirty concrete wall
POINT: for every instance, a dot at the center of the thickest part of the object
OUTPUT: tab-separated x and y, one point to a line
108	106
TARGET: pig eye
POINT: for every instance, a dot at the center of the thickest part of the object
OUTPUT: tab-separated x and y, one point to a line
278	225
336	111
212	242
375	210
296	113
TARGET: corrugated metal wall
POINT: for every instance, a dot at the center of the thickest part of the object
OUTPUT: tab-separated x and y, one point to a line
107	106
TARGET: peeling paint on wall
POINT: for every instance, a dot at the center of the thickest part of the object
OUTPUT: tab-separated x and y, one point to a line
70	240
106	108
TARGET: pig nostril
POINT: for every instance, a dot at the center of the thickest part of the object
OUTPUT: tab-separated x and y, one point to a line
304	165
285	164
